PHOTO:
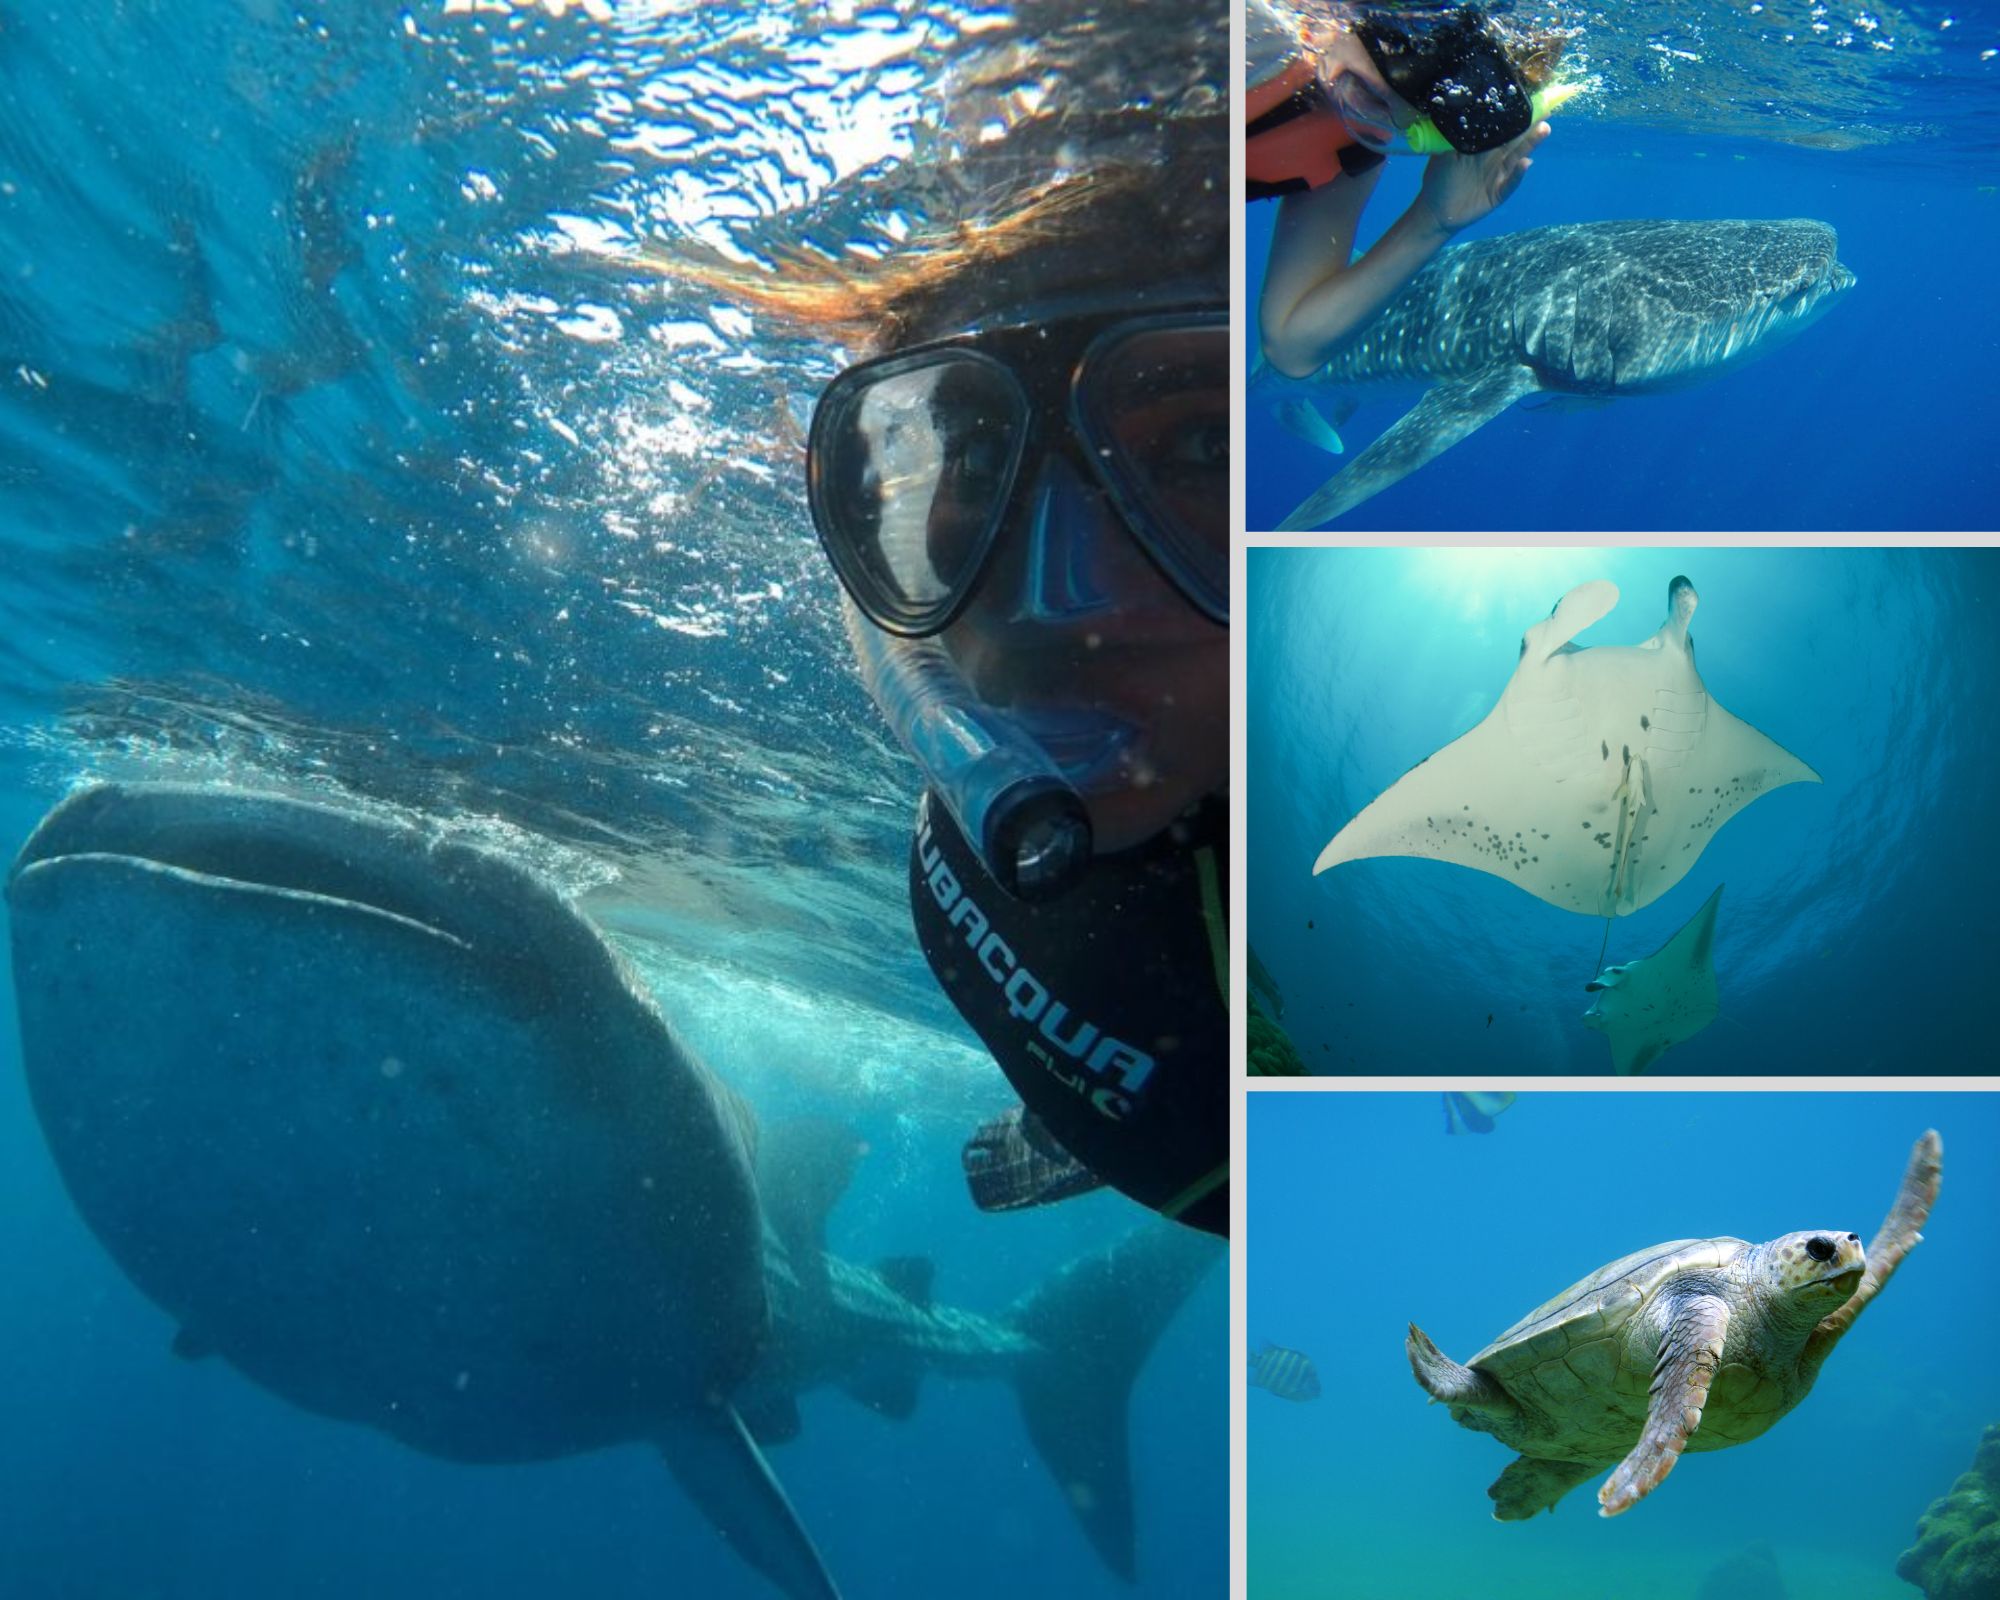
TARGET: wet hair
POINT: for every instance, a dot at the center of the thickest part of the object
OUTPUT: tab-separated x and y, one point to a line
1115	173
1108	226
1534	51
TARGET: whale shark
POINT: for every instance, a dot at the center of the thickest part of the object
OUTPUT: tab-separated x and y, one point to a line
381	1121
1594	309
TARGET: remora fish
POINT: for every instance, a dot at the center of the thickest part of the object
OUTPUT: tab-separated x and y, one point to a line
382	1122
1589	309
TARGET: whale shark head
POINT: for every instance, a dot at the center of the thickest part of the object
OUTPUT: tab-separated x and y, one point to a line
1804	273
1735	289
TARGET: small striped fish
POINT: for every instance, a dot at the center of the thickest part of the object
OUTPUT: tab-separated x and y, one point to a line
1288	1374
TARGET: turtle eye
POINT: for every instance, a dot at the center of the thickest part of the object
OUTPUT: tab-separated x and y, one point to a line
1820	1249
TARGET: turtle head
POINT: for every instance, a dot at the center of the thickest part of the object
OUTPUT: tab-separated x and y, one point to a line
1808	1275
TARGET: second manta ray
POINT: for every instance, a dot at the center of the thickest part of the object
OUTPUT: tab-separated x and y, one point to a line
1646	1007
1593	309
1597	780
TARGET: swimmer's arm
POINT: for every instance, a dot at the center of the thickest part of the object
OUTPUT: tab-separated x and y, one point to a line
1313	300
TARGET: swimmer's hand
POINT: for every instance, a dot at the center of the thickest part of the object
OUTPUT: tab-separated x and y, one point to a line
1459	190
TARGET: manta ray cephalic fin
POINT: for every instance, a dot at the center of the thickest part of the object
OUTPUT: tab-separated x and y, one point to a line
1445	415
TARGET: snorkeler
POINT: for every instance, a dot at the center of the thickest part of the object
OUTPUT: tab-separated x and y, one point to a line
1022	485
1322	117
1028	514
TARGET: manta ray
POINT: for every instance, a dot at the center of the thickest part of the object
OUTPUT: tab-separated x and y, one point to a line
1646	1007
382	1122
1589	309
1598	779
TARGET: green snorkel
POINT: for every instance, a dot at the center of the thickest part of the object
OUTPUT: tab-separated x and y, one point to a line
1424	139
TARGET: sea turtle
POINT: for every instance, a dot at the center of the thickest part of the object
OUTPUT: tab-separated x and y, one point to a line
1715	1335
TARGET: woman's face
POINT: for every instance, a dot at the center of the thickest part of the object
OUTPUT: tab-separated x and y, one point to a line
1095	652
1347	57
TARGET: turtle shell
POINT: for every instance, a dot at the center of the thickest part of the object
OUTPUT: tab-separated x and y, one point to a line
1566	1357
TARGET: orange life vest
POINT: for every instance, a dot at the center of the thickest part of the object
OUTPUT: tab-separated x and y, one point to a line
1295	140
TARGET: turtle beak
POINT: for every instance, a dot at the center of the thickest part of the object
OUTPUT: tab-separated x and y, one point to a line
1846	1282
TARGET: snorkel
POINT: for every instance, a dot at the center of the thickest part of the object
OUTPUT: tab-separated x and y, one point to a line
1025	820
1423	139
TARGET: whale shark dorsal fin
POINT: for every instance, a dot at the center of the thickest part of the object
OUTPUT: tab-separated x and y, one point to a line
909	1276
719	1467
804	1165
1445	415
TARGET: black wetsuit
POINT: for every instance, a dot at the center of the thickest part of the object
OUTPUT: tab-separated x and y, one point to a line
1106	1007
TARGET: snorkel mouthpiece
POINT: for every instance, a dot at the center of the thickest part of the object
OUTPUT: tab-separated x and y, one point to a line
1011	802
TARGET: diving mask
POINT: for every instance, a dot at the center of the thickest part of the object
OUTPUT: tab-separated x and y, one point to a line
919	459
1454	70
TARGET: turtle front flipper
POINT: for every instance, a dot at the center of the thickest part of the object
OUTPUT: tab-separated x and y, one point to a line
1690	1355
1900	1233
1458	1387
1531	1484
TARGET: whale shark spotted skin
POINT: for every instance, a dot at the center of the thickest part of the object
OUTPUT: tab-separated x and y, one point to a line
1589	309
383	1123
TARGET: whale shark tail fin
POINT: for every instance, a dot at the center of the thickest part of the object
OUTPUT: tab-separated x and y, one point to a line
1093	1325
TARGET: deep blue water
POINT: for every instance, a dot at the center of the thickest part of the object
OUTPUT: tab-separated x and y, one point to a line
1364	1217
1877	417
1850	929
344	451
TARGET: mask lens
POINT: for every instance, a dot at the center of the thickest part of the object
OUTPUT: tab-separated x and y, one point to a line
909	468
1153	404
1363	113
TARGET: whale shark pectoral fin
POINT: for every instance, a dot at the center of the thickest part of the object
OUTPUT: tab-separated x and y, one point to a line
1302	420
1445	415
772	1419
719	1467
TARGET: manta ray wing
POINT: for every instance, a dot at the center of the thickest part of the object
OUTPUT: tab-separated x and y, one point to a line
1445	415
1646	1007
1597	779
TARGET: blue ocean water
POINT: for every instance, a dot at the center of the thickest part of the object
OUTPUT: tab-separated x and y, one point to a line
1882	121
344	449
1850	924
1364	1217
